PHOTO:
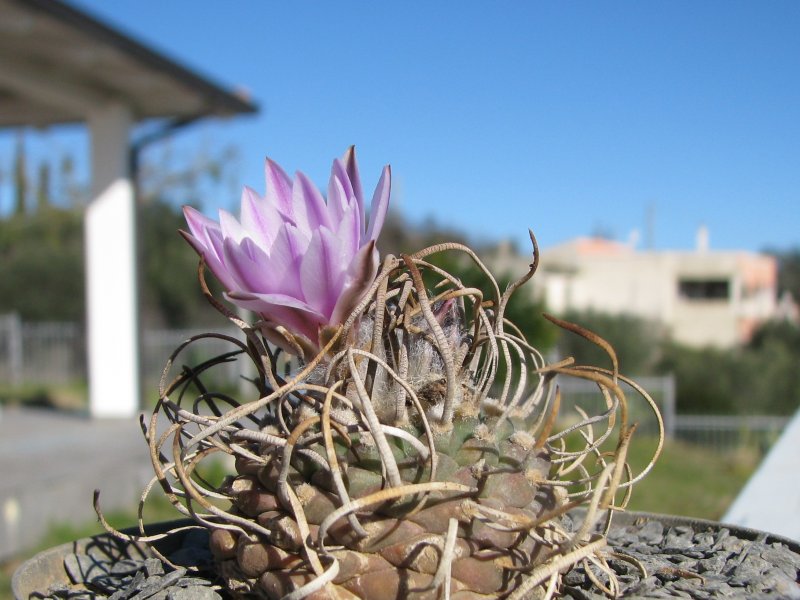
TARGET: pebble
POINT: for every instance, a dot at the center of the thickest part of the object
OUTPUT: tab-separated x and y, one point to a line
701	564
133	579
681	562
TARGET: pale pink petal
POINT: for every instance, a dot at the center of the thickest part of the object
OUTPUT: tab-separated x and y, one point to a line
309	204
260	218
284	310
213	260
321	271
349	233
359	277
284	260
279	189
337	199
351	168
380	204
230	226
247	264
198	223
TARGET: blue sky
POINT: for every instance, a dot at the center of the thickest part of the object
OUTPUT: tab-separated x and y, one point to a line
568	117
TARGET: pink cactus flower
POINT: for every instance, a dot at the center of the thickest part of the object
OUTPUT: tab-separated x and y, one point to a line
298	261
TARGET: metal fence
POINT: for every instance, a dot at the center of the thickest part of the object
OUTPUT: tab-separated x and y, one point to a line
725	432
55	354
41	353
159	344
586	395
719	432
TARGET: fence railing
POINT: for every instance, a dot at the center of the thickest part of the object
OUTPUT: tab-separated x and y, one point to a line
55	354
585	394
730	431
42	353
159	344
720	432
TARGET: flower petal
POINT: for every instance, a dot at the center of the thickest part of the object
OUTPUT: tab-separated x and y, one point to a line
230	226
321	271
337	197
380	204
351	168
285	257
359	277
295	315
198	223
349	233
279	189
246	264
260	218
206	239
213	262
309	205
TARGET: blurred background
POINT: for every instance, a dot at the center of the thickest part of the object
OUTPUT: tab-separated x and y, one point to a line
653	149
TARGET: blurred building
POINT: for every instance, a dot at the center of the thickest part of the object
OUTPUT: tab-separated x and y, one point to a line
702	296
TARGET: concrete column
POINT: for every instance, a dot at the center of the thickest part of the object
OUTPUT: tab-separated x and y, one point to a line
111	295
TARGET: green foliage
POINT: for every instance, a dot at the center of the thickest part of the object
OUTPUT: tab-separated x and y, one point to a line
706	379
43	195
788	271
637	342
170	290
42	245
761	378
20	177
42	258
43	270
522	310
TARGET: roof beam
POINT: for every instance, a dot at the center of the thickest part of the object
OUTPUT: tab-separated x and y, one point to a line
48	89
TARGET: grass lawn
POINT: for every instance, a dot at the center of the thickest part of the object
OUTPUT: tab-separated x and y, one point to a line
689	480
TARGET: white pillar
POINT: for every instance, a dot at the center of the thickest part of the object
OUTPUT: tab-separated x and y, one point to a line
110	242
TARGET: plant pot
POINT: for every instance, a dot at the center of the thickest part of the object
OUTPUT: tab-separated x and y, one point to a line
738	545
47	569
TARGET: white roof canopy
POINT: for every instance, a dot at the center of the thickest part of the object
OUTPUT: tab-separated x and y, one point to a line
57	64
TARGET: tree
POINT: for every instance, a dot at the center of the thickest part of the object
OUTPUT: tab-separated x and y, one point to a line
637	342
760	378
20	176
170	292
42	251
43	196
42	257
788	271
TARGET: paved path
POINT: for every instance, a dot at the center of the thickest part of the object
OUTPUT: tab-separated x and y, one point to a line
50	465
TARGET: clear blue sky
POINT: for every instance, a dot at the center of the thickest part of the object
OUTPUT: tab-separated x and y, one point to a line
566	117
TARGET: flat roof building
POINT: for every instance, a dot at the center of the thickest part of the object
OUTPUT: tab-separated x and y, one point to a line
701	297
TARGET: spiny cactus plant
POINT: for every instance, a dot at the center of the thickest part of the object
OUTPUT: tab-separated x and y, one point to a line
399	440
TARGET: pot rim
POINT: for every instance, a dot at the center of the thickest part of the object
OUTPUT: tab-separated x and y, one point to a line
51	560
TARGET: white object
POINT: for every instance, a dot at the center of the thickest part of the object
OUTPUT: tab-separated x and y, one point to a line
770	501
111	269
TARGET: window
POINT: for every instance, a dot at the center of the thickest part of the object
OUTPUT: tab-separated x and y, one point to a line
704	289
